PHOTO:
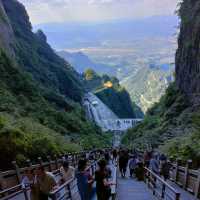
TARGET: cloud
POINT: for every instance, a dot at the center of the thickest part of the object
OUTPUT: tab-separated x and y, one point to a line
43	11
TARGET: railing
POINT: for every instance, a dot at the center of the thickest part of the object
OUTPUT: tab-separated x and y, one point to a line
161	189
185	177
13	192
11	180
19	191
65	191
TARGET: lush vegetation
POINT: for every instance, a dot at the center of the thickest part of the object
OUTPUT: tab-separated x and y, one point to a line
30	125
35	55
40	95
118	100
171	125
112	94
149	84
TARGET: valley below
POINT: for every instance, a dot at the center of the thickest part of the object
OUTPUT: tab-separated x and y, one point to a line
134	51
145	71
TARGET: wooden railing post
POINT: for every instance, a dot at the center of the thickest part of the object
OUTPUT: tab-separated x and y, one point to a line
178	163
163	191
154	179
17	169
49	160
66	156
186	175
70	192
40	161
73	160
29	164
76	159
197	185
3	184
56	161
147	178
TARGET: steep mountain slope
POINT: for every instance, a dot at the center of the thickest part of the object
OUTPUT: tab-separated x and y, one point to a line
111	93
40	113
187	64
6	32
148	85
174	123
119	101
37	57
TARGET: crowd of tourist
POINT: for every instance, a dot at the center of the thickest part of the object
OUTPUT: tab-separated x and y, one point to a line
136	163
42	183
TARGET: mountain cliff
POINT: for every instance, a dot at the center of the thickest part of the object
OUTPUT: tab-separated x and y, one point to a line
35	55
40	95
187	64
6	32
173	124
148	85
111	93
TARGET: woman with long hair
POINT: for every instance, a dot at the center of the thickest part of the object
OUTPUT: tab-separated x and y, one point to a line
84	181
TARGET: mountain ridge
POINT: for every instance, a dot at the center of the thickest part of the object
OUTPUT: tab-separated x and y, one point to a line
40	96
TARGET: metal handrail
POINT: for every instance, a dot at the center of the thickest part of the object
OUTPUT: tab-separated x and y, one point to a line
13	192
55	194
18	189
61	187
153	178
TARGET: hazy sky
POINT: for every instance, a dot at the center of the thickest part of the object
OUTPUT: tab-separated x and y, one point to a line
42	11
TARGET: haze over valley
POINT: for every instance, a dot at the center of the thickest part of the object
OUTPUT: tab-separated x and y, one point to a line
135	51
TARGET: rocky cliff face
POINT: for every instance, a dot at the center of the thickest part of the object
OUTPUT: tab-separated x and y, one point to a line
6	32
188	53
35	55
173	124
148	85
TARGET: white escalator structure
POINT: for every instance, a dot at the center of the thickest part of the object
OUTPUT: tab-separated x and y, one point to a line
98	112
104	117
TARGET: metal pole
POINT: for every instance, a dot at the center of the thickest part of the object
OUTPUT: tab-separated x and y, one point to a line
70	192
163	190
178	196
